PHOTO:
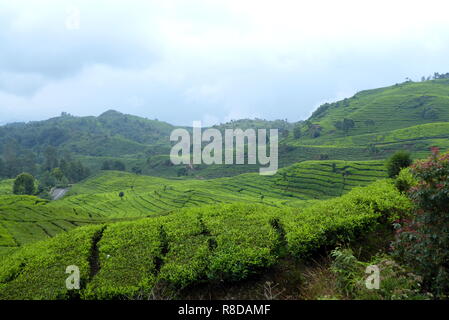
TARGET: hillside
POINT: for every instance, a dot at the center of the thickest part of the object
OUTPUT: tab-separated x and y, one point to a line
189	246
385	109
138	226
26	219
370	125
111	133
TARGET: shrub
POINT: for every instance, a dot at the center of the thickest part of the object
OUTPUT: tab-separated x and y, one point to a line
297	131
398	161
344	218
405	180
24	184
422	240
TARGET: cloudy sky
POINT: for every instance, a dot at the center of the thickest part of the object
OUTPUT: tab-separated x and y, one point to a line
209	60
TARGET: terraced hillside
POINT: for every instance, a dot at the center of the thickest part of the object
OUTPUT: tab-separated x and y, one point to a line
324	179
417	139
190	246
145	195
385	109
25	219
411	116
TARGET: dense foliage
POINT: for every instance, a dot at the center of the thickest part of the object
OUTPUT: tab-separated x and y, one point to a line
423	239
191	246
395	282
154	236
370	125
397	162
24	184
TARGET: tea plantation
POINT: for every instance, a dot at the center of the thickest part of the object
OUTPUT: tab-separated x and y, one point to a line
191	245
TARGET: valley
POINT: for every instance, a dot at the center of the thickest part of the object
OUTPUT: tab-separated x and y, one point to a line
139	226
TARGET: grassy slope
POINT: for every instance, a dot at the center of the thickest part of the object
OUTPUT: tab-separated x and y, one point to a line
390	108
390	118
399	123
411	116
25	219
192	245
6	186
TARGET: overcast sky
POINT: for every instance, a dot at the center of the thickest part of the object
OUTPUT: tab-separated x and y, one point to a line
216	60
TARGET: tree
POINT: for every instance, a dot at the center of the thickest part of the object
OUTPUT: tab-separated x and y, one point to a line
136	170
2	168
182	172
12	165
348	124
314	130
28	161
345	125
118	165
422	238
57	173
113	165
77	171
24	184
105	165
51	159
401	159
297	131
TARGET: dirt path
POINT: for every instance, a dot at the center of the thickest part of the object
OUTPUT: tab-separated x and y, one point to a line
58	193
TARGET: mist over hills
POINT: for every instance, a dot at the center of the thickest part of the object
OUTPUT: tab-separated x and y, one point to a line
368	125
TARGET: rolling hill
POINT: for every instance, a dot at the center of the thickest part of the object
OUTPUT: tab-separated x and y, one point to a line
130	233
26	219
189	246
411	116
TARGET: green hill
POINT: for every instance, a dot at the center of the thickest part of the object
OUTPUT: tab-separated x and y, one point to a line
385	109
167	227
26	219
190	246
370	125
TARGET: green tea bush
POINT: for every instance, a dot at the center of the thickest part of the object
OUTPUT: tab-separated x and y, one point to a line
127	253
405	180
246	241
344	218
187	257
37	271
423	241
213	243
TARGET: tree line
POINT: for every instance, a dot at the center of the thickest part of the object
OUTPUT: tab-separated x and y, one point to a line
50	167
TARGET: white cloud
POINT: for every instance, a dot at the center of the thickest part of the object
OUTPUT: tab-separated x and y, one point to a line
216	60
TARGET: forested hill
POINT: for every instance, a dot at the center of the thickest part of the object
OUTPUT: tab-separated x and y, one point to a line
111	133
370	125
